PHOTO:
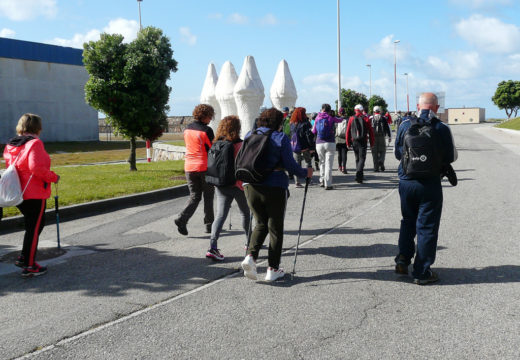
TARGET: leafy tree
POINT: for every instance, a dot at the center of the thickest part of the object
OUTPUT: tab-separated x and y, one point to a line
377	100
128	83
507	97
350	98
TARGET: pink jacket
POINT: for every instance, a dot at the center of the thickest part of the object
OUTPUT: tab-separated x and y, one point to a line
32	159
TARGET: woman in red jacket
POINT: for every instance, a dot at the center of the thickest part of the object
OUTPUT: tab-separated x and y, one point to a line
33	165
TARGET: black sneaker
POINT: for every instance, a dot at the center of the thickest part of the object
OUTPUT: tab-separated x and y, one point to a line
35	270
329	188
215	255
382	168
359	181
433	277
322	184
208	228
20	262
401	265
181	227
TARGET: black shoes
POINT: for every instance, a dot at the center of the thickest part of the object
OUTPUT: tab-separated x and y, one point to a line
401	265
433	277
208	228
181	227
20	262
329	188
35	270
382	168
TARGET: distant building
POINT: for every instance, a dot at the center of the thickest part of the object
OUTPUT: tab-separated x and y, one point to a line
47	80
464	115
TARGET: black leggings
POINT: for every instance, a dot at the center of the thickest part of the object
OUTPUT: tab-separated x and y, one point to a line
342	155
33	211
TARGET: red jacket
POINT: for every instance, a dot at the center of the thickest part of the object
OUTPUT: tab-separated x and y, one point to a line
32	160
368	125
198	138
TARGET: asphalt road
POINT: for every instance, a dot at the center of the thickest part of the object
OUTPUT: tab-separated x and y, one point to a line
132	287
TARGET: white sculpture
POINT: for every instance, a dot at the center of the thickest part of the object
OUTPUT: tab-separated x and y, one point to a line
207	96
283	92
249	94
224	91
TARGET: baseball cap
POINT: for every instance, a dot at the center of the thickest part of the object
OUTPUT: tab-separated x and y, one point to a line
358	107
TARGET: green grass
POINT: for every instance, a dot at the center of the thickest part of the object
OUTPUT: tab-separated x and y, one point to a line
176	143
96	182
513	124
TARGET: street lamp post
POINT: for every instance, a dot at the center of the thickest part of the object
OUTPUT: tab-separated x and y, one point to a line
339	65
140	24
370	82
407	94
395	74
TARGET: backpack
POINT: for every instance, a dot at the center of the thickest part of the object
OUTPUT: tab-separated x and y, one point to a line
250	163
221	164
422	157
359	131
11	193
295	138
377	124
341	129
323	128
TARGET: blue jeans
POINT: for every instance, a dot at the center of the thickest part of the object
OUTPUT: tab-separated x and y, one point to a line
421	208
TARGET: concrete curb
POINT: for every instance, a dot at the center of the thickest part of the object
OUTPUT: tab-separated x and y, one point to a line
15	223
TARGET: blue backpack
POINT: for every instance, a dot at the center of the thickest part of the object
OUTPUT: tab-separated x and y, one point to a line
323	128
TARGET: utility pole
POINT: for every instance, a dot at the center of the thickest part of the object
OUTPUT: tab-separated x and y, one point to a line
339	64
395	75
370	82
140	24
407	94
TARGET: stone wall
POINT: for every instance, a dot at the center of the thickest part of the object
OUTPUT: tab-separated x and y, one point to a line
176	124
162	152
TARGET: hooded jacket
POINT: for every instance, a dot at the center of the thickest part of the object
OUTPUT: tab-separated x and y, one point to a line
330	120
31	159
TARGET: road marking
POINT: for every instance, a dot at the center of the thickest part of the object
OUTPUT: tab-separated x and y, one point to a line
188	293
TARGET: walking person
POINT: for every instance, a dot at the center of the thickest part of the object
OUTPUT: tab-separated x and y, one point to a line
268	199
302	140
229	131
359	132
315	156
325	144
198	137
33	165
424	145
381	128
341	141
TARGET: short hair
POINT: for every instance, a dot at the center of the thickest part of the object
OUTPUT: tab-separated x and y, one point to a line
29	123
299	115
325	108
203	111
228	128
270	118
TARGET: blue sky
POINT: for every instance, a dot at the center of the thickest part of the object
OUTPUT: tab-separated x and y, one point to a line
462	47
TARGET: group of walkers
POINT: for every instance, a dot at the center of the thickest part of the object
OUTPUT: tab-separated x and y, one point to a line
424	146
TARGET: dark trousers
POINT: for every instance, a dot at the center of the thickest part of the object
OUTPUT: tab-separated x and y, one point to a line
268	207
342	155
360	151
379	151
421	208
198	187
33	211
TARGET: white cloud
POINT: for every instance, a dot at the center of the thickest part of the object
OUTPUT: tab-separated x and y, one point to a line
476	4
7	33
127	28
489	34
18	10
187	36
512	65
461	65
215	16
385	49
269	19
237	18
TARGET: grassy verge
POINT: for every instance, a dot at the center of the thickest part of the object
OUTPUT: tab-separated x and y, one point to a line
176	143
513	124
96	182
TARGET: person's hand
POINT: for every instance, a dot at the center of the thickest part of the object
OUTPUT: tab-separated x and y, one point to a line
309	172
58	179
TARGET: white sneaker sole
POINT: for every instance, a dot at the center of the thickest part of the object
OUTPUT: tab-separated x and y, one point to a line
249	272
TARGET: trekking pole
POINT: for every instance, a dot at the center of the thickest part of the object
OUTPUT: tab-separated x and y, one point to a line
307	180
57	211
250	230
229	219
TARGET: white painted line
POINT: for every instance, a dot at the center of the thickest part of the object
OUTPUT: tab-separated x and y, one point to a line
188	293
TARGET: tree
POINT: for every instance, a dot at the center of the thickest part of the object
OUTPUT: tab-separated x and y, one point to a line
507	97
350	98
128	83
377	100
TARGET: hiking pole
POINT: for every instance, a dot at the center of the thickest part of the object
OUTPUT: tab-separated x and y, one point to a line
250	230
57	212
307	180
230	219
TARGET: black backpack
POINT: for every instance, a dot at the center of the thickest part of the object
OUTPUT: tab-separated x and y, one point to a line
359	131
422	155
251	160
378	124
221	164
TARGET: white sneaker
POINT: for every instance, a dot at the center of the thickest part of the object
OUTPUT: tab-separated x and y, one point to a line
249	267
273	274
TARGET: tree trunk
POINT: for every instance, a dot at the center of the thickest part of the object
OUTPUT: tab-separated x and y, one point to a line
508	113
132	157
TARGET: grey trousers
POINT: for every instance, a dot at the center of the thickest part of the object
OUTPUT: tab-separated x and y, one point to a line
303	155
379	151
198	187
225	196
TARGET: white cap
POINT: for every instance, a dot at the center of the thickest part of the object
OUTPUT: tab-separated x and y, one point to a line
377	109
358	107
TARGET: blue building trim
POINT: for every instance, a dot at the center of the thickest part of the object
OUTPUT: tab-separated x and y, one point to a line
27	50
